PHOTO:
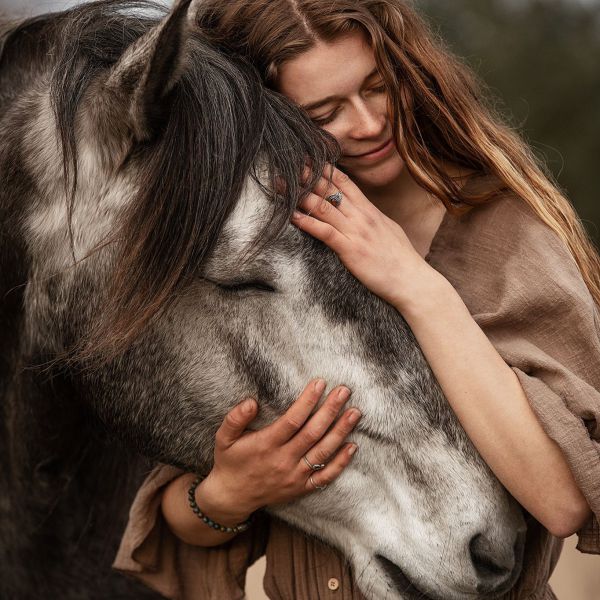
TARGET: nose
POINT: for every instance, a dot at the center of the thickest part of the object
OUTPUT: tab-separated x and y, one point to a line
497	566
368	122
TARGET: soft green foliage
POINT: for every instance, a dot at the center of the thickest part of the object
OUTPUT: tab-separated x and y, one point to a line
541	59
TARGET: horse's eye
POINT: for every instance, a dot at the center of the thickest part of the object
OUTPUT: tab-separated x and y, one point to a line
242	286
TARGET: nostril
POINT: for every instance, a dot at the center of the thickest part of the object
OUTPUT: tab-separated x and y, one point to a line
490	564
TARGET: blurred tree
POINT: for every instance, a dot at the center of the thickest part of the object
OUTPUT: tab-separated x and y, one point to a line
542	60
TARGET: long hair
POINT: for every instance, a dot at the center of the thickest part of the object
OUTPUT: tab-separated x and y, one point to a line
222	128
439	109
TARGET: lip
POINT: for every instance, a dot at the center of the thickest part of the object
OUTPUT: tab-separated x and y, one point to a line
377	153
401	581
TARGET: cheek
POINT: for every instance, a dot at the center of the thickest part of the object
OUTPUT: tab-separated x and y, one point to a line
339	130
380	106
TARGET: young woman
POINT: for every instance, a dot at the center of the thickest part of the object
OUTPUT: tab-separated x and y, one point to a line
420	150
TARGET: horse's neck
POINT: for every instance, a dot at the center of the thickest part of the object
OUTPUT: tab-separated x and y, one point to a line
56	454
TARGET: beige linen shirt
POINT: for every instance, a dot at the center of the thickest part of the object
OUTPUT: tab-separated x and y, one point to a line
524	290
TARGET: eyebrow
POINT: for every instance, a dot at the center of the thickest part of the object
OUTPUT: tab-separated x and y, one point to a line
333	98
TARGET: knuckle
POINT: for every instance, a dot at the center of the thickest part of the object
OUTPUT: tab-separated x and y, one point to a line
344	427
292	422
319	455
281	469
233	420
324	478
329	233
370	222
310	436
324	207
332	409
341	177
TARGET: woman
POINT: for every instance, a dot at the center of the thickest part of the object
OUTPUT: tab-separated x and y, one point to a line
419	150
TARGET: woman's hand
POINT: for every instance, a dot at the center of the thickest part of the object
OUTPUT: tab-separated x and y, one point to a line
253	469
373	247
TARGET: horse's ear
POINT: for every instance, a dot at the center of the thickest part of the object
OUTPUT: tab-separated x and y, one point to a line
150	68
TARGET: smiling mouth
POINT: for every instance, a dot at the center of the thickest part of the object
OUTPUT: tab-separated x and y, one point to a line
372	151
401	582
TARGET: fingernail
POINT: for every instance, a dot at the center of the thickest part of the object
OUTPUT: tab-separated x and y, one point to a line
296	215
319	386
352	449
354	416
248	406
344	393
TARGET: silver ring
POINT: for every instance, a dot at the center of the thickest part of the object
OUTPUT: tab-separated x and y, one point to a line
314	467
335	199
317	487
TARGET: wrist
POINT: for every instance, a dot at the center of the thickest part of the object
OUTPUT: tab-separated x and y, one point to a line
214	501
423	294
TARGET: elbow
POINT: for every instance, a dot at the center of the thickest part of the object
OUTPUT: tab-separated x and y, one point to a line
569	521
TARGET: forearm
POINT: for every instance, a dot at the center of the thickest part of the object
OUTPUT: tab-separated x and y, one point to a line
491	405
185	524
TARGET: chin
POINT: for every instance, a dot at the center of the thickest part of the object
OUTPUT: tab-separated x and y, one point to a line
376	175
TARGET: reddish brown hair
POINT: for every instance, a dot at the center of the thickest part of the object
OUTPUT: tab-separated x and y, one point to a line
439	109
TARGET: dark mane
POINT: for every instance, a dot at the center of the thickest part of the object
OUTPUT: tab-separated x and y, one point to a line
222	124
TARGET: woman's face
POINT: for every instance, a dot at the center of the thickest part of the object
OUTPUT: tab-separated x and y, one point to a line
339	86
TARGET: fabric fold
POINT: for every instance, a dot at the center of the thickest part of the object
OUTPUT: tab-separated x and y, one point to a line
150	552
524	289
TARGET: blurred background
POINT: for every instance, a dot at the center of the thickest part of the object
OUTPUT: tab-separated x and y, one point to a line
541	62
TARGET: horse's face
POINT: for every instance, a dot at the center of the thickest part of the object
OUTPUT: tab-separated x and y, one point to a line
417	511
417	494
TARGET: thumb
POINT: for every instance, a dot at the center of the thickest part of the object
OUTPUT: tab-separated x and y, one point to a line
236	421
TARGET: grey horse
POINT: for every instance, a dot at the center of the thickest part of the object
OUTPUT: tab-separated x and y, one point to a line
151	279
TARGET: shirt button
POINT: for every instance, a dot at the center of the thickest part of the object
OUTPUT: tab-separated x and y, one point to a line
333	584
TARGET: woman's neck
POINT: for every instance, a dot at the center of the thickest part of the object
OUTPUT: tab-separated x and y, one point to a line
403	200
415	209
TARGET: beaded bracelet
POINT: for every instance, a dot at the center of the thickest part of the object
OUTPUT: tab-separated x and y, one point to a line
192	500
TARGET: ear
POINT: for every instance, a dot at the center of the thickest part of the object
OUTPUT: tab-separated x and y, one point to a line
150	68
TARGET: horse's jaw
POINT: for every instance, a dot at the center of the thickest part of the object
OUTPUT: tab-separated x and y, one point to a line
404	543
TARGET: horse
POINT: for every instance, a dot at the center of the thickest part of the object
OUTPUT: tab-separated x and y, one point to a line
151	279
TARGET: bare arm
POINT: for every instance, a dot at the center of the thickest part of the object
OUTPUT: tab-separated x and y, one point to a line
185	524
491	405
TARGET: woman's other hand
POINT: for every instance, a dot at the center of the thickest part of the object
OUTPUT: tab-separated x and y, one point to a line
253	469
373	247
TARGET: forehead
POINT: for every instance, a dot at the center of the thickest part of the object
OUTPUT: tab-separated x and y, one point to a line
338	67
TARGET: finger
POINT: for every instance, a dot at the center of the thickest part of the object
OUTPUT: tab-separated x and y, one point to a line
333	470
325	187
295	416
319	208
320	422
325	232
235	422
335	180
324	449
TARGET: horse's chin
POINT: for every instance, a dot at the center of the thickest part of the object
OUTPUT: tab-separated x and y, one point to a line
410	591
402	583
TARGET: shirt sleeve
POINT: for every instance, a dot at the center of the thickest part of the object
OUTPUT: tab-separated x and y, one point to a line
150	552
524	289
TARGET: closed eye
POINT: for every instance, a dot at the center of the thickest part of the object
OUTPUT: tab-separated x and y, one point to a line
241	286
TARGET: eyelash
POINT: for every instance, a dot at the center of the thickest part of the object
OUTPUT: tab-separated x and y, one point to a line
378	90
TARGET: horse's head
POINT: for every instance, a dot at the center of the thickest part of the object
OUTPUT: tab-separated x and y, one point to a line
140	163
